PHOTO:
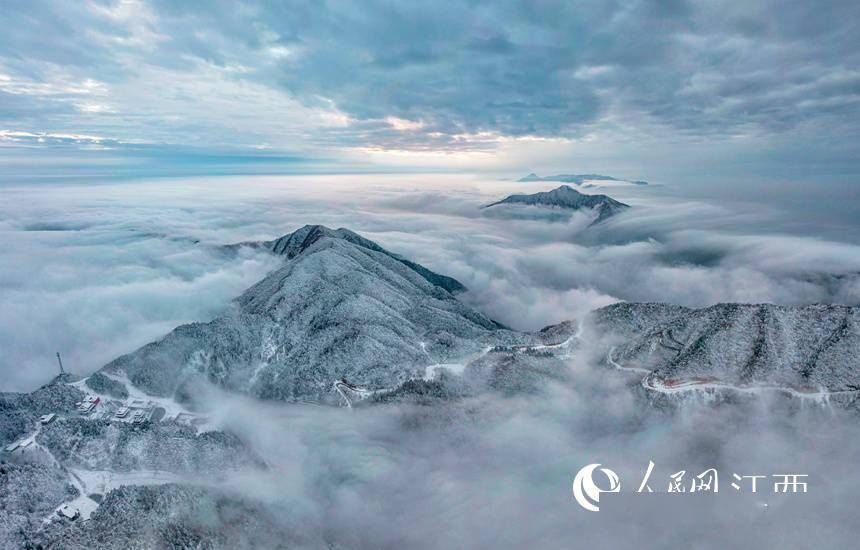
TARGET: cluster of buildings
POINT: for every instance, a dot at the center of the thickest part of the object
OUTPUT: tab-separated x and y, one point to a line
88	404
137	411
134	415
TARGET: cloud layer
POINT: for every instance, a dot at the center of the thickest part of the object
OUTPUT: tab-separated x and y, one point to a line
766	80
94	271
497	472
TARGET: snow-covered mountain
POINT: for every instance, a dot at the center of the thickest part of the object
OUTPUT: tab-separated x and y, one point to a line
810	350
566	197
60	467
120	458
340	307
584	180
345	319
294	243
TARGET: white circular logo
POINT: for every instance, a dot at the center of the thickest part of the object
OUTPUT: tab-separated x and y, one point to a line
587	493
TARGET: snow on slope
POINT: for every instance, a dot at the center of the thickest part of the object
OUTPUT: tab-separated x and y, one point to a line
805	349
565	197
340	307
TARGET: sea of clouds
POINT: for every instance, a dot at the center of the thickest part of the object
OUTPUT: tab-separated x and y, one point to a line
96	270
495	471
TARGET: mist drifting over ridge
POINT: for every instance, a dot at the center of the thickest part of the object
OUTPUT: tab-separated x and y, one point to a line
492	468
143	263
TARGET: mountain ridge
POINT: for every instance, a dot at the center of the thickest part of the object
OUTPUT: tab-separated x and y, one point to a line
800	348
340	306
568	198
578	179
294	243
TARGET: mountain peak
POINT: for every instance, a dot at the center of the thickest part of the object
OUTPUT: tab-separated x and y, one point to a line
297	242
340	306
569	198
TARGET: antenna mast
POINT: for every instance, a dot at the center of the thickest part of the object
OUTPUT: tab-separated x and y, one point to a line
60	361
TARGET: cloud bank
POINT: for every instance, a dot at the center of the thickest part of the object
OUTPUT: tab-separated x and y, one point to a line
740	88
94	271
496	471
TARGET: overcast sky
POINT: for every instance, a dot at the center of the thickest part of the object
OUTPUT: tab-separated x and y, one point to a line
660	90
